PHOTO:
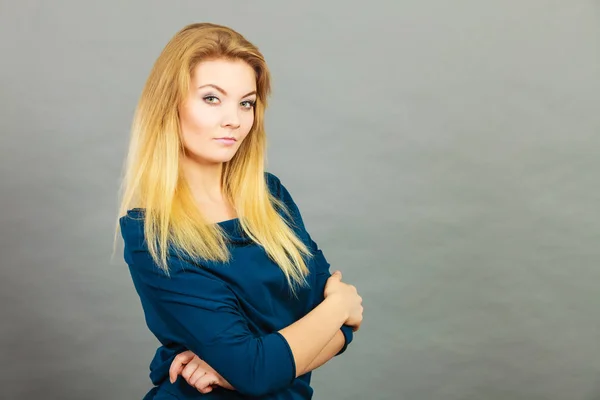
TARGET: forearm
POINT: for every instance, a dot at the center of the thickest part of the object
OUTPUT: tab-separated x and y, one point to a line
329	351
310	335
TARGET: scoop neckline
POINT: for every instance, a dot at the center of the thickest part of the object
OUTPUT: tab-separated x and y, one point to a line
227	221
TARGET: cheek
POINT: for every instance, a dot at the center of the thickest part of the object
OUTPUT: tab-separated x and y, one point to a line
199	120
247	120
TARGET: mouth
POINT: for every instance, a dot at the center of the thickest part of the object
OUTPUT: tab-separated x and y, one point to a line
226	141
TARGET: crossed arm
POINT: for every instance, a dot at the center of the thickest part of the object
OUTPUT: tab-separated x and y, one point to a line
204	378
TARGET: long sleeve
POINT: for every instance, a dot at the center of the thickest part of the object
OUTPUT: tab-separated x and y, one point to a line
322	266
205	314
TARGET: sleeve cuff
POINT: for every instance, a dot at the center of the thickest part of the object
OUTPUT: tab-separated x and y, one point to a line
287	368
348	336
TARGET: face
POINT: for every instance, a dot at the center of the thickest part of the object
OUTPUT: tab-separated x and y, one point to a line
219	111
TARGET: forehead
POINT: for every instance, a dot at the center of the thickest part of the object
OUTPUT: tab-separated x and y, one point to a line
235	76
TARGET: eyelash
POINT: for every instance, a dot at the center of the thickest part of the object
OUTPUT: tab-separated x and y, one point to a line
250	102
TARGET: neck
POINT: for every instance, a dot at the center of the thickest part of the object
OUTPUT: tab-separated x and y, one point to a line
204	180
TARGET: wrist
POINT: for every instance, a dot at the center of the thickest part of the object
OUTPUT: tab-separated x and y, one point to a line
339	306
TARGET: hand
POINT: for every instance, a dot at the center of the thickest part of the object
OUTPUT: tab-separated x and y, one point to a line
196	372
349	297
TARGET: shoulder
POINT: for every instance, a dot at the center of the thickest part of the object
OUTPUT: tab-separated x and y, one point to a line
292	212
132	229
278	189
273	183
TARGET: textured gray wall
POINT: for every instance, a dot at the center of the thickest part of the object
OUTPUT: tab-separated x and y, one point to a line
444	155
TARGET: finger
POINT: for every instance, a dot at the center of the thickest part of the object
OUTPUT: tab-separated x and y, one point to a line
337	274
199	373
174	371
207	389
189	370
203	384
178	363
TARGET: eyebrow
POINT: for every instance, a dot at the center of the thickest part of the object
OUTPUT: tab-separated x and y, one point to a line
223	91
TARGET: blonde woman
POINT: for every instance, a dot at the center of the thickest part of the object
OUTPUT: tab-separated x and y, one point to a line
231	283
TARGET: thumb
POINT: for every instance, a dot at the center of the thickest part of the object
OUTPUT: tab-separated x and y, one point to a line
337	274
179	363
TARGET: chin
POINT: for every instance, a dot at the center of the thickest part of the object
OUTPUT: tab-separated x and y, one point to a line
217	157
224	160
219	160
226	157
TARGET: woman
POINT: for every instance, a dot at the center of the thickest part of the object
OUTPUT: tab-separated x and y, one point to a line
231	283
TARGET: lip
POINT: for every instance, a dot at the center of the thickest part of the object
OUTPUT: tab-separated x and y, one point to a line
226	141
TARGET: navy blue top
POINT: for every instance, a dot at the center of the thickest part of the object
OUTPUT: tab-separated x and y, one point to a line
228	314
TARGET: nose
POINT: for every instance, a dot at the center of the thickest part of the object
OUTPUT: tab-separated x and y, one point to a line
231	118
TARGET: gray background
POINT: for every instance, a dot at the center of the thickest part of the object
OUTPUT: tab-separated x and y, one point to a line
444	156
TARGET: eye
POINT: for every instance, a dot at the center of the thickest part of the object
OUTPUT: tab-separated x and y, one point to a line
248	104
211	99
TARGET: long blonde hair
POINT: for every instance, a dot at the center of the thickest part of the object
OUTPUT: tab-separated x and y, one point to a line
153	179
